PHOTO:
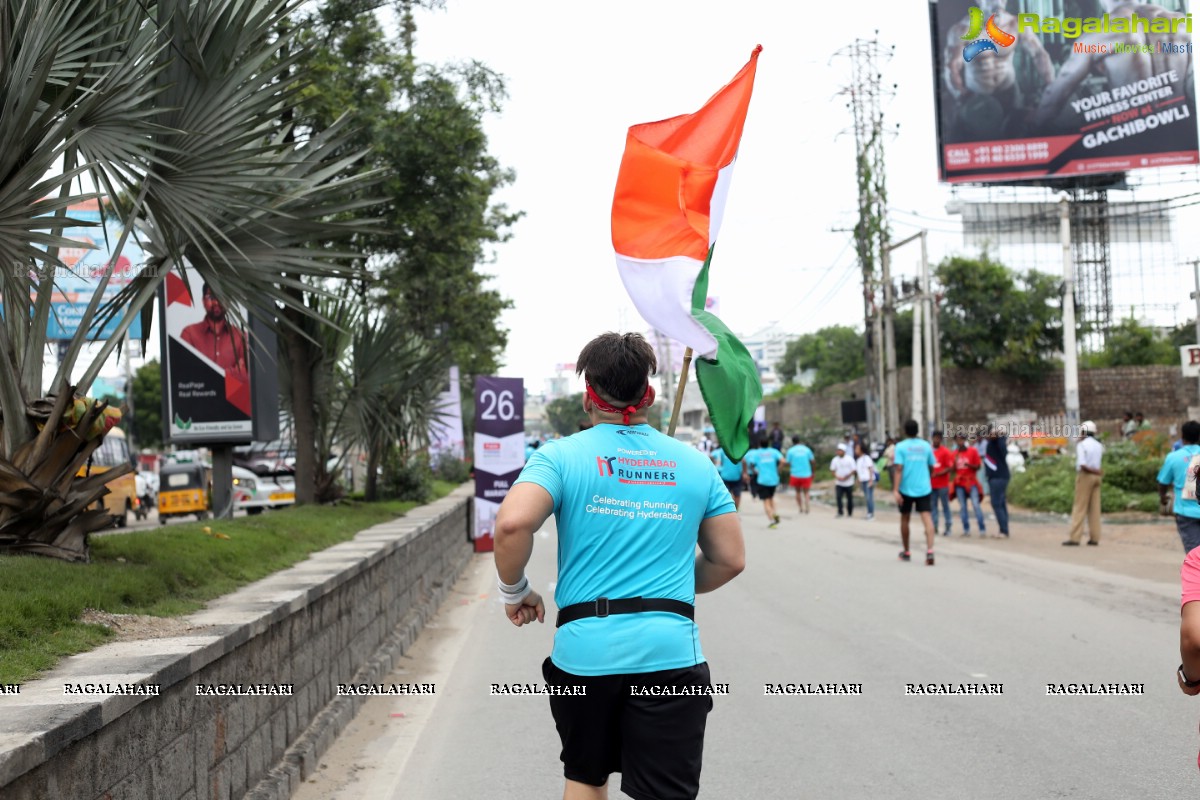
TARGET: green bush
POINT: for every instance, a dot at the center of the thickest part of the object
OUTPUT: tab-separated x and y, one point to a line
1048	484
406	477
452	470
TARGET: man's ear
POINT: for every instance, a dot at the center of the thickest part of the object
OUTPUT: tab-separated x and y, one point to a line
587	404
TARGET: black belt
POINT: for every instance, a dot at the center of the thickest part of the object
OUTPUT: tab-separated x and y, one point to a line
633	605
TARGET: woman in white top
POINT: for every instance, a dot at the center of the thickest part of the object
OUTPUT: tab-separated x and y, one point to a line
865	468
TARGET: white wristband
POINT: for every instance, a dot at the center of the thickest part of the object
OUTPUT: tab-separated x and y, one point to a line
515	593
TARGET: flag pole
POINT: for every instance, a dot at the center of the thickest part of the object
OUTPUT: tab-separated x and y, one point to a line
687	362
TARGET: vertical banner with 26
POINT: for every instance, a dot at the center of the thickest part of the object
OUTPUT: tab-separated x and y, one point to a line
499	448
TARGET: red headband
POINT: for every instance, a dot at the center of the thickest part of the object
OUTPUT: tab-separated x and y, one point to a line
646	400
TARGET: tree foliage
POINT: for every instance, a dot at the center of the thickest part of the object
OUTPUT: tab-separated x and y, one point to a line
565	414
1131	344
423	126
835	352
993	318
147	405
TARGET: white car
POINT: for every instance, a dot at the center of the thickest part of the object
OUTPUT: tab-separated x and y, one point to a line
253	493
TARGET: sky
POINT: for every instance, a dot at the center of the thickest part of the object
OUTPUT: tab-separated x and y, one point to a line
578	75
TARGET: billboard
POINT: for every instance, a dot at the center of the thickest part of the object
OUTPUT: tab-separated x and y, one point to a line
446	428
1034	89
499	449
206	366
74	286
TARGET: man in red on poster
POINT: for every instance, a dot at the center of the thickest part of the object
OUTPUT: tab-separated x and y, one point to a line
939	480
215	338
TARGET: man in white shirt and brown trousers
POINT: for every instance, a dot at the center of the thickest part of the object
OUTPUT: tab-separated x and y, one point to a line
1088	453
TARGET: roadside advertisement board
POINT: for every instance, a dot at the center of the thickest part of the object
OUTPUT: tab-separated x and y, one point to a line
1025	91
206	370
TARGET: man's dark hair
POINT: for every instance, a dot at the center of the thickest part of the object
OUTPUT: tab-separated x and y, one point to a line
911	427
617	365
795	440
1139	414
1190	432
939	432
1129	414
207	290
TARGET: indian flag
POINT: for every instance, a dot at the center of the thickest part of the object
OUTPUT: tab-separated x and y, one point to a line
667	211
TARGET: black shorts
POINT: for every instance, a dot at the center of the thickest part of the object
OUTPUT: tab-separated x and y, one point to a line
765	492
734	487
655	742
923	503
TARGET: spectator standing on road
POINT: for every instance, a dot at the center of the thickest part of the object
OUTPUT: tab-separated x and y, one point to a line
765	461
731	473
914	462
801	461
1140	421
626	583
865	469
939	481
995	461
889	461
966	483
1088	454
1174	474
844	476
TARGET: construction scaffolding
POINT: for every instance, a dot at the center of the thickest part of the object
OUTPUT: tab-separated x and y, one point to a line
1124	253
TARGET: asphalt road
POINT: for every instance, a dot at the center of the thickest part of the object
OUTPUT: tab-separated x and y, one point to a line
826	601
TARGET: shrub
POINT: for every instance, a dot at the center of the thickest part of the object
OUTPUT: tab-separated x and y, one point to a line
1048	484
406	477
452	470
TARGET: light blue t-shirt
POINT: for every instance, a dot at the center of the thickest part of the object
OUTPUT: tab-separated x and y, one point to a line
1174	471
800	458
628	501
916	456
729	469
765	461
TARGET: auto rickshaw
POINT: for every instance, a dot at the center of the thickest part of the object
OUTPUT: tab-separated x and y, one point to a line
183	489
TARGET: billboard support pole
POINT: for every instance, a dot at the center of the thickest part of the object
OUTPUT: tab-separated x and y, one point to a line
892	393
1070	354
918	402
222	481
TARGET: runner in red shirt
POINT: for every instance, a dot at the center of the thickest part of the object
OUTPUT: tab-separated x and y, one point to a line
939	480
966	483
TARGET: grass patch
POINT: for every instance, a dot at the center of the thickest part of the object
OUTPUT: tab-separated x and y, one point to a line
160	572
1048	484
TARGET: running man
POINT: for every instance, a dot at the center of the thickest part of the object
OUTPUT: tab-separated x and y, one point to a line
914	462
732	473
765	463
801	461
626	582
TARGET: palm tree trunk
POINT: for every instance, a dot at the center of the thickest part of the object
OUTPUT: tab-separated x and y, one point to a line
371	489
299	354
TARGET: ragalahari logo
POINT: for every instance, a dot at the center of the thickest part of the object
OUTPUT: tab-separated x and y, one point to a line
995	36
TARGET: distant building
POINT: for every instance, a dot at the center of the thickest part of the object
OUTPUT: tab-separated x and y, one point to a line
767	347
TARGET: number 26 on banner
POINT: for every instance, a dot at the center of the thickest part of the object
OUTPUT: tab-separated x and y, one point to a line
497	405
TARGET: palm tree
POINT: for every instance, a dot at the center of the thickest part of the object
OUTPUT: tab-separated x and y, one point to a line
178	111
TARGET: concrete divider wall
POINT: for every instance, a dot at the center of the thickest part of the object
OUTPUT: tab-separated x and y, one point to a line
344	615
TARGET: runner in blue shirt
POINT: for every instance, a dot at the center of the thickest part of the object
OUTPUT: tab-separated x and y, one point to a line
800	460
765	461
731	472
914	460
631	506
1174	473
